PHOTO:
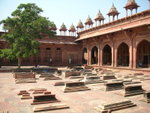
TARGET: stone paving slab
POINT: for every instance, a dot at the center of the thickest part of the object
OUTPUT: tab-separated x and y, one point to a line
79	102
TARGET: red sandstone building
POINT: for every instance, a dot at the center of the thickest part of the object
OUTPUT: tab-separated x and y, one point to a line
119	43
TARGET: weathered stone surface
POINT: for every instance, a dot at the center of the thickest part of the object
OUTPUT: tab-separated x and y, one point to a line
75	86
50	107
43	99
113	106
147	96
72	73
133	89
91	79
113	85
108	77
23	75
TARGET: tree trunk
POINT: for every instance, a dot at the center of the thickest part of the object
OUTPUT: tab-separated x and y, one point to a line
19	62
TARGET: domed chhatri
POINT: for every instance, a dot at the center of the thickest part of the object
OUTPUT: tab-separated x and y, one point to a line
80	26
99	18
89	22
72	30
63	29
131	4
113	12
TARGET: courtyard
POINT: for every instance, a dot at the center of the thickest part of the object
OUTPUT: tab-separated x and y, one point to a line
78	102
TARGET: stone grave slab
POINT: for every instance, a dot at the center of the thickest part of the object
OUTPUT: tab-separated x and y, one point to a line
50	107
114	105
133	89
91	80
75	86
146	97
44	99
113	85
108	77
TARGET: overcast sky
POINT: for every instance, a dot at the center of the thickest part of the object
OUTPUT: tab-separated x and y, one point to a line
70	11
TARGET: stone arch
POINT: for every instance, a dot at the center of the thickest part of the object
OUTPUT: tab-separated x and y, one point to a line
123	55
143	54
107	55
94	55
84	56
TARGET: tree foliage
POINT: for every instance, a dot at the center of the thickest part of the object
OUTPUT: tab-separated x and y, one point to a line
23	28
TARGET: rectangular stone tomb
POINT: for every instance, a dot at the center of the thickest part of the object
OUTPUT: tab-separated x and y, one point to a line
25	80
24	75
75	86
108	108
45	98
133	89
147	96
50	107
76	77
72	73
23	92
45	75
113	85
26	96
91	80
52	78
38	92
38	89
59	83
108	77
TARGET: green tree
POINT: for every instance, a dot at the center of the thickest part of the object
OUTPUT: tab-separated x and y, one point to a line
23	28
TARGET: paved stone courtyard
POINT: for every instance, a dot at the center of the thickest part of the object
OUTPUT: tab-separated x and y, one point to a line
79	102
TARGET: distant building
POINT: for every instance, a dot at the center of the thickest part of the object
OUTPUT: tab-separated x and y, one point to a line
119	43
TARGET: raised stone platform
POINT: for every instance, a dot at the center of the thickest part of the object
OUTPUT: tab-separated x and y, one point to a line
133	89
113	106
113	85
43	99
91	80
147	96
75	86
50	107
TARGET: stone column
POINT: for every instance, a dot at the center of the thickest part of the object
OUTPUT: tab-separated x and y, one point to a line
89	56
112	56
134	57
131	54
115	57
100	56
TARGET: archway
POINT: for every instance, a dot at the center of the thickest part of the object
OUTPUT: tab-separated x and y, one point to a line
107	55
84	56
143	54
123	55
94	55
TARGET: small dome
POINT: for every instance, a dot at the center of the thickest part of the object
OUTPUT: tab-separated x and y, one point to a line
63	27
131	4
99	16
113	11
80	25
53	27
72	28
88	21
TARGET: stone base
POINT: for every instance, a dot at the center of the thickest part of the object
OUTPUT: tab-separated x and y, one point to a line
107	108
